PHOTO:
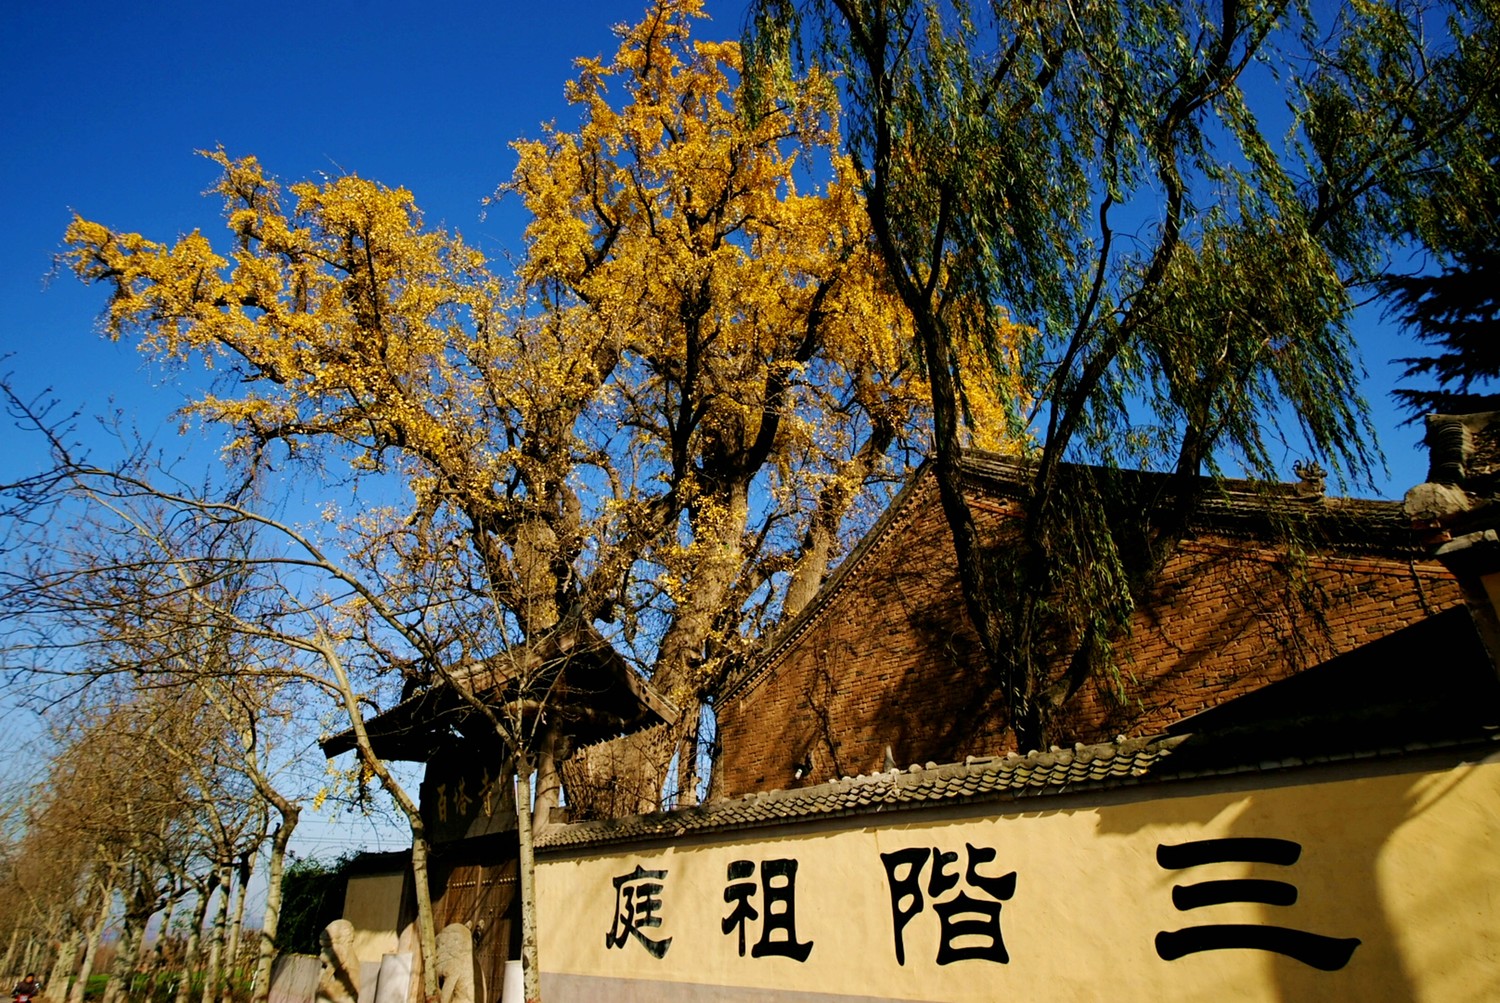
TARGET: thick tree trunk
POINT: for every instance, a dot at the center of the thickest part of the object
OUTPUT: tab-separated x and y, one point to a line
548	779
822	535
62	966
95	938
127	956
213	970
687	753
194	944
260	989
232	949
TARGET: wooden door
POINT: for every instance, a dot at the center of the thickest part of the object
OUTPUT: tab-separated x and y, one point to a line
480	888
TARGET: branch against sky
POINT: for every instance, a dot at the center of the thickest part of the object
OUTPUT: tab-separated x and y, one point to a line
183	591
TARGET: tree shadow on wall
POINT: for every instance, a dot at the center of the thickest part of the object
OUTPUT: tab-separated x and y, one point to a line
1307	892
1224	623
1333	854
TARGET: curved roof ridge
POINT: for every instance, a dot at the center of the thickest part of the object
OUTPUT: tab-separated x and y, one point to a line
788	632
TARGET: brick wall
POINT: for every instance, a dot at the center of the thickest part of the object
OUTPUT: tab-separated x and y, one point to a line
888	658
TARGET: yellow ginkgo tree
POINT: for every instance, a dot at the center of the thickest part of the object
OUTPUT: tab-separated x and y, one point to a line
660	425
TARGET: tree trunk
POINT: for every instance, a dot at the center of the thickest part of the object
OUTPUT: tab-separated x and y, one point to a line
163	935
823	529
32	957
232	951
687	753
548	779
426	935
128	953
194	944
95	937
426	929
10	951
260	987
526	870
62	967
212	971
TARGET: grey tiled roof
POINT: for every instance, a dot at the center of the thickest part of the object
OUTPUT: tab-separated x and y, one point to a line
989	778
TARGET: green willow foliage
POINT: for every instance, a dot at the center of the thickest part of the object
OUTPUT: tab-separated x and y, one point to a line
1177	196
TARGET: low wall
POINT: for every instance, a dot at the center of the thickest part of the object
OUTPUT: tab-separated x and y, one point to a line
1339	887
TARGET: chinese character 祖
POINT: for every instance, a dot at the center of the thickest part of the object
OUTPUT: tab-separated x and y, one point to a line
974	919
778	886
1327	953
636	903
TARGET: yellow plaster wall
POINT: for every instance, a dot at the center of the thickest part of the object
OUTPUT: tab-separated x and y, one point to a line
372	904
1409	864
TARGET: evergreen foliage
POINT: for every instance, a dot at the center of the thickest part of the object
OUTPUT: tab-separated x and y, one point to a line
313	897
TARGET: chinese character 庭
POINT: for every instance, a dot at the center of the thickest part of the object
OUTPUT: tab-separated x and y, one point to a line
1326	953
636	903
976	920
778	885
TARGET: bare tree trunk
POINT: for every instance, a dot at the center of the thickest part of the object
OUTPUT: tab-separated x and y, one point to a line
163	935
548	779
62	966
194	944
232	952
526	868
426	934
28	954
132	938
36	954
216	942
95	937
426	930
260	986
10	951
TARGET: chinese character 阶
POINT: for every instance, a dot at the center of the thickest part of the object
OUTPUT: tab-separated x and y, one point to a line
637	899
778	887
1326	953
969	926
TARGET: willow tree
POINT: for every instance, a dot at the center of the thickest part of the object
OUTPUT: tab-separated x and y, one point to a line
1123	177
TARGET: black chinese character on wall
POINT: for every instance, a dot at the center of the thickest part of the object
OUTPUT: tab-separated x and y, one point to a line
778	897
969	925
637	901
1316	950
